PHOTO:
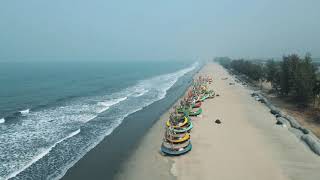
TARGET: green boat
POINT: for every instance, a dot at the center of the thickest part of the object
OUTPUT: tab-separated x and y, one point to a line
184	129
184	110
174	151
204	97
196	113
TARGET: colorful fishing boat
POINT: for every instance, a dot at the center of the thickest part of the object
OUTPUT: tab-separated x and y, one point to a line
175	151
195	113
173	139
204	97
176	146
179	124
186	128
196	105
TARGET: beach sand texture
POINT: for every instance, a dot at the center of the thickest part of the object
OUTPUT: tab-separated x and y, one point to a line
248	145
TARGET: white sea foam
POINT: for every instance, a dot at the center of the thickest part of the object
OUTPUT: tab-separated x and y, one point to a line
25	112
76	113
107	104
41	155
2	120
149	86
88	118
139	93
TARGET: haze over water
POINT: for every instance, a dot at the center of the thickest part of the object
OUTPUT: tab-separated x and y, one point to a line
157	30
72	71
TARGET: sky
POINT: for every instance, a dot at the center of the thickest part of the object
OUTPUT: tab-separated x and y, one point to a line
157	30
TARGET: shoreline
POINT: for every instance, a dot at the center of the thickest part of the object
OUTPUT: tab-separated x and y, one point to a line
247	141
150	145
104	160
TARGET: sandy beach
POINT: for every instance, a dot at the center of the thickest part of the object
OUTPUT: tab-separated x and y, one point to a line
248	145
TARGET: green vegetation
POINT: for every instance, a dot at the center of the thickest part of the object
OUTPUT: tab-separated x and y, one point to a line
293	76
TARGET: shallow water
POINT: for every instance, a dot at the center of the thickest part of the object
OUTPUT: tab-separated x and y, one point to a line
53	114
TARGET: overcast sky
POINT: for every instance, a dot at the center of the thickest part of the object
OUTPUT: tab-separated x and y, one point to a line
157	30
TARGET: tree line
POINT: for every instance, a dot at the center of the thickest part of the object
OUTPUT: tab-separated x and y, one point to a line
292	76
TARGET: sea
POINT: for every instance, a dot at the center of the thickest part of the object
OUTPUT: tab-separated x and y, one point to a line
52	113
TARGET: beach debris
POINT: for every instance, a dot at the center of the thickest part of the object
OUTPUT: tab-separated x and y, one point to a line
224	78
218	121
231	83
218	95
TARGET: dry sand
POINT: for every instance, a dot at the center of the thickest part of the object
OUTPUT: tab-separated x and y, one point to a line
246	146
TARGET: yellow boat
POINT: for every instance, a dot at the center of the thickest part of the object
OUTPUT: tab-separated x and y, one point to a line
180	124
185	138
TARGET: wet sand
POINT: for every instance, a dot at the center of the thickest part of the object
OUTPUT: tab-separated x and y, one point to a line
248	145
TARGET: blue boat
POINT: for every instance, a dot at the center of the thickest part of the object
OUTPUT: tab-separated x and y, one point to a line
173	152
183	129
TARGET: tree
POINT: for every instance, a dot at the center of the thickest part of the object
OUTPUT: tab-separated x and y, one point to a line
289	68
272	73
304	79
284	76
316	91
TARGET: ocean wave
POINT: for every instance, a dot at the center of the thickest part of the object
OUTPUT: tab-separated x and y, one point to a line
140	92
107	104
149	85
25	112
42	154
16	115
46	123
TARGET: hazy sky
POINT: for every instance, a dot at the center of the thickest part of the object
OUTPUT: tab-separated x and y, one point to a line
158	30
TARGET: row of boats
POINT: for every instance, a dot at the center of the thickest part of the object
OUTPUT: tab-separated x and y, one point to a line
177	139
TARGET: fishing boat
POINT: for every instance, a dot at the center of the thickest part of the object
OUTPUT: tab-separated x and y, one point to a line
179	124
196	105
204	97
176	151
170	145
195	113
182	110
184	129
175	134
212	94
174	139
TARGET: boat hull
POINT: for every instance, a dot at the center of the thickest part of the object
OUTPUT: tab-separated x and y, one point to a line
196	105
198	112
186	137
184	129
185	121
176	147
171	152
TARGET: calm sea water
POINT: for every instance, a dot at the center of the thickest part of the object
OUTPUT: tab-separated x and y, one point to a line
52	114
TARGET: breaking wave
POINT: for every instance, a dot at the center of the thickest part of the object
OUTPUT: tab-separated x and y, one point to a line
37	137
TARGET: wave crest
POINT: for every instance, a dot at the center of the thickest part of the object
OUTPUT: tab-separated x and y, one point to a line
25	112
